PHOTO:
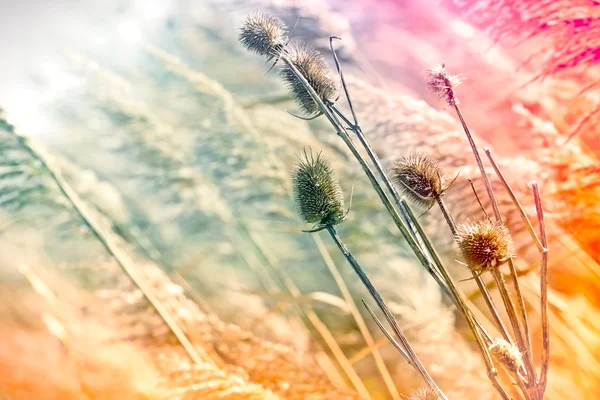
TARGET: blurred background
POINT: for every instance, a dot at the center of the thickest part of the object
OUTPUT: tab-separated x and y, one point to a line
143	150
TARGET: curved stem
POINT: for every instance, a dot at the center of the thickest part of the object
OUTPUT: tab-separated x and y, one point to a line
414	359
543	291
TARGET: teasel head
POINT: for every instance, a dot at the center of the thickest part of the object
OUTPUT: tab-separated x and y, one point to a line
263	34
506	354
311	64
485	245
317	193
419	178
424	394
440	82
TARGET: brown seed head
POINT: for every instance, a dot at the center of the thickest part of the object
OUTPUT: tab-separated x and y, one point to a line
263	34
315	69
506	354
419	178
485	244
424	394
443	84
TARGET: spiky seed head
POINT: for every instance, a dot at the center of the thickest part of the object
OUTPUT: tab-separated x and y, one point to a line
419	178
317	193
263	34
506	354
315	69
440	82
485	244
424	394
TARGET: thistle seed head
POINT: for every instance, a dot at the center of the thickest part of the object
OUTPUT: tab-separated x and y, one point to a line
317	193
485	244
506	354
263	34
419	178
440	82
424	394
314	68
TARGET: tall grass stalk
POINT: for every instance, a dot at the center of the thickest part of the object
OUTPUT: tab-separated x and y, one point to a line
197	355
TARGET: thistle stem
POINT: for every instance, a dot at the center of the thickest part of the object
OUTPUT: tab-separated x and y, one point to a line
486	180
543	291
409	352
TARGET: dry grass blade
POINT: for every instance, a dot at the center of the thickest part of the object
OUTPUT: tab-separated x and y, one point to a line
543	291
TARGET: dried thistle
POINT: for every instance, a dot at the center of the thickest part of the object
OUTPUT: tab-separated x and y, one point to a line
485	244
506	354
317	193
314	68
440	82
419	178
263	34
424	394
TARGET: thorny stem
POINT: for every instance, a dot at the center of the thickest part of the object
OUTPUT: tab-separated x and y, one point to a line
543	290
519	333
409	352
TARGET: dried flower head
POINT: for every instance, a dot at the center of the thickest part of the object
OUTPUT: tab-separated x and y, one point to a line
506	354
317	193
424	394
315	69
485	244
263	34
440	82
419	178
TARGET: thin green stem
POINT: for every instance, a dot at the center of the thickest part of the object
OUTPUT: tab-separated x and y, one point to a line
415	361
360	322
325	333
